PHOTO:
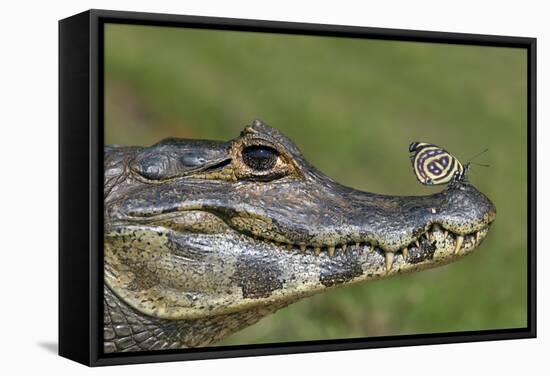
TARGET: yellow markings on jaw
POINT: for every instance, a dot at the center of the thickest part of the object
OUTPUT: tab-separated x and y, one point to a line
142	268
193	221
226	174
259	226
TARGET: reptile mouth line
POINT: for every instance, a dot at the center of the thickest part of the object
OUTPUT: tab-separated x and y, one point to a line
435	235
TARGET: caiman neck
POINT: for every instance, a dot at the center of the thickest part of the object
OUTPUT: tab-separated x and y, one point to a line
126	329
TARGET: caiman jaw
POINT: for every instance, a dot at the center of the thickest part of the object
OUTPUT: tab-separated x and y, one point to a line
417	251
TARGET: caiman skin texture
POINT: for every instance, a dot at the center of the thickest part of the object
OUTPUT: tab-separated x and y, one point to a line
204	238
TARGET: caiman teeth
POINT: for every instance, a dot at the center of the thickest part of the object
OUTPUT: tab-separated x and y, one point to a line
459	240
429	235
389	261
331	250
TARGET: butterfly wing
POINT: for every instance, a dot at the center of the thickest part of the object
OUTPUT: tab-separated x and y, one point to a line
433	165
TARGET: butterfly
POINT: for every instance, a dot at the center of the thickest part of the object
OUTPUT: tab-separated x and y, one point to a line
433	165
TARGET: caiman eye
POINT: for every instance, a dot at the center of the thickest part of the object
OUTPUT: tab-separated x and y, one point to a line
259	158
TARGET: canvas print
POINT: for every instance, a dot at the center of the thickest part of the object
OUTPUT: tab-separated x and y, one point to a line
266	188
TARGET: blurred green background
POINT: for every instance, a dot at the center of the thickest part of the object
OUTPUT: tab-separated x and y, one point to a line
352	106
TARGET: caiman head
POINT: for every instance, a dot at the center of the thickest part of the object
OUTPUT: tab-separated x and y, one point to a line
198	229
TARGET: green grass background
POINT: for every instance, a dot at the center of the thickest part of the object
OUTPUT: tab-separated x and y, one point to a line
352	106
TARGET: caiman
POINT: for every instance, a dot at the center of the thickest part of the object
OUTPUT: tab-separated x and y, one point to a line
203	238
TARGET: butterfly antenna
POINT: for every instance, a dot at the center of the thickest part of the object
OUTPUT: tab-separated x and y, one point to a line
480	164
477	155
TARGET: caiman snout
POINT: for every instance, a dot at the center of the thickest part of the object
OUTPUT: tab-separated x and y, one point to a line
323	216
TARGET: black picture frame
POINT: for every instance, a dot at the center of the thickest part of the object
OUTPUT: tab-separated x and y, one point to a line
81	188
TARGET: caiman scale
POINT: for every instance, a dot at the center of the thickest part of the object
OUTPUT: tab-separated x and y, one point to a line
204	238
